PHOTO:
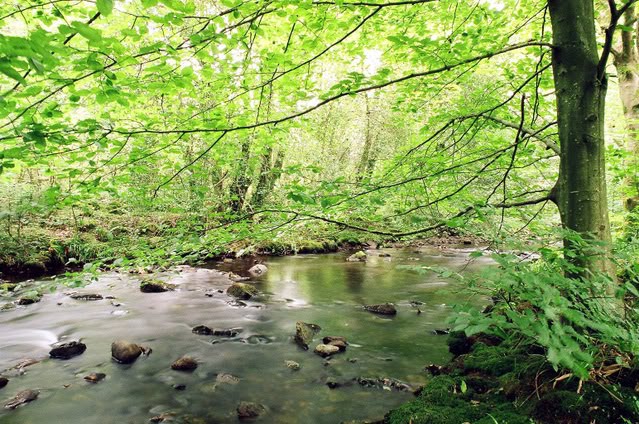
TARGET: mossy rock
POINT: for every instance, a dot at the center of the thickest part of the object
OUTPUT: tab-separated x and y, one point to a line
492	360
242	291
155	286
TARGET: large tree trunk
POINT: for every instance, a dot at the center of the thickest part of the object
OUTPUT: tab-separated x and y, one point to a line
627	63
580	87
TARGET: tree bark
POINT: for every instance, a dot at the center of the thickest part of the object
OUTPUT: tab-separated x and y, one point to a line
580	83
626	61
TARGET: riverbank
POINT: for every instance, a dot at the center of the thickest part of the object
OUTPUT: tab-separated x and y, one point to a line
116	239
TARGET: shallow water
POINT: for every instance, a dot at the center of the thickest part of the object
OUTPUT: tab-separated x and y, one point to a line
320	289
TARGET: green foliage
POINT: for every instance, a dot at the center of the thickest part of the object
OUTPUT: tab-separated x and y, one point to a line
577	321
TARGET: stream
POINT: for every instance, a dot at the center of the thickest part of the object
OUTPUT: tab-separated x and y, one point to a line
321	289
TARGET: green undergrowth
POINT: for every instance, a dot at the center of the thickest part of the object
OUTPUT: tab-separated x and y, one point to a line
127	239
508	384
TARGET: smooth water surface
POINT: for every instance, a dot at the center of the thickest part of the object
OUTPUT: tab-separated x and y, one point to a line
320	289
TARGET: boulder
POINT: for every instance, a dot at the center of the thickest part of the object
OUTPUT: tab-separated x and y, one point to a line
185	363
21	398
385	383
67	350
357	257
94	377
338	341
242	291
126	352
257	270
304	333
325	350
382	309
155	286
247	410
3	382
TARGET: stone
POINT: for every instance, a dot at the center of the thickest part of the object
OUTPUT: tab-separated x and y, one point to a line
202	330
246	410
384	255
67	350
385	383
21	398
242	291
3	382
86	296
155	286
257	270
29	299
95	377
237	303
7	306
292	365
179	387
325	350
226	332
225	378
185	363
357	257
338	341
382	309
126	352
305	332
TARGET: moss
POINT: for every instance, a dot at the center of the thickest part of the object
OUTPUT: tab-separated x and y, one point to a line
560	406
493	360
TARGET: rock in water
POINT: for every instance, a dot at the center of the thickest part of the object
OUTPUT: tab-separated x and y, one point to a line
155	286
125	352
67	350
29	299
304	333
340	342
242	291
325	350
3	382
250	410
86	296
257	270
95	377
357	257
21	398
227	332
185	363
203	330
292	365
382	309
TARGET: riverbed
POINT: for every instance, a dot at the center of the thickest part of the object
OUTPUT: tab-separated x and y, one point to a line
250	366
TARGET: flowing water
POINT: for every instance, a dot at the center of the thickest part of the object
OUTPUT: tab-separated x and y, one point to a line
320	289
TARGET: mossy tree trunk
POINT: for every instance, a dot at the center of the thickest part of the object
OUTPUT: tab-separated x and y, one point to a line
580	83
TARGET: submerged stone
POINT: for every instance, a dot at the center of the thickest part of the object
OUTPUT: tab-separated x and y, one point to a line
21	398
3	382
202	330
86	296
67	350
95	377
382	309
246	410
305	333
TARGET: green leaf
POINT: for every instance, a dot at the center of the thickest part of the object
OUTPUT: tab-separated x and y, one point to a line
6	69
86	31
105	7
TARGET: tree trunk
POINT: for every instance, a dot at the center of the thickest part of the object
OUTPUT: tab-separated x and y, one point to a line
366	162
241	182
580	85
627	63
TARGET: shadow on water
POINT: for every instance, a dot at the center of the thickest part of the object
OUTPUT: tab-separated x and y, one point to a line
250	366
